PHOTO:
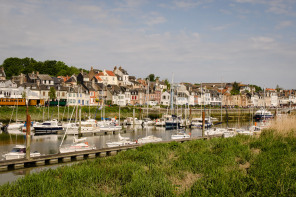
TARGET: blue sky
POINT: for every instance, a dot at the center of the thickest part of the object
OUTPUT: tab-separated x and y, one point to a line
249	41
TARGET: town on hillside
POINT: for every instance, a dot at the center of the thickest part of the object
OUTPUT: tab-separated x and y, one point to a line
117	87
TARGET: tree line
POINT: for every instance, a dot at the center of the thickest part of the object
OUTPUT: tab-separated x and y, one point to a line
14	66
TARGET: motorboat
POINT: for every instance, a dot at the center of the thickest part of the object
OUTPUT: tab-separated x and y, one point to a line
48	127
77	145
19	152
172	122
180	135
263	114
148	139
197	123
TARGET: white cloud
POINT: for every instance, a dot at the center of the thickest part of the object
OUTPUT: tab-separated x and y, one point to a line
284	24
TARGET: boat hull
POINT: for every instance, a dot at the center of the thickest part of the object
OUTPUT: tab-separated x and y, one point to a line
47	130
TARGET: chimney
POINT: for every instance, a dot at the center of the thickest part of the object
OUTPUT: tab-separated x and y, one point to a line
21	79
37	72
38	82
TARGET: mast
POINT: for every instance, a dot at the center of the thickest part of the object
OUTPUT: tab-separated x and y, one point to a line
172	94
221	101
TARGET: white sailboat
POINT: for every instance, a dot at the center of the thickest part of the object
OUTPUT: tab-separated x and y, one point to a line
77	145
123	141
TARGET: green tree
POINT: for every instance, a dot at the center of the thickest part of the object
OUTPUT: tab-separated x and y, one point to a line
151	77
166	81
278	89
235	89
52	93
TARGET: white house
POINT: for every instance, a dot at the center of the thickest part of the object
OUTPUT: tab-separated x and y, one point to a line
165	99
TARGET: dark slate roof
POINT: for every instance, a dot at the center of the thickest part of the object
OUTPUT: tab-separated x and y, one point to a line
32	76
44	77
57	80
72	79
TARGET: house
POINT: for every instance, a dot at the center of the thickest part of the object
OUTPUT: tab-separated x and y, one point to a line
71	82
9	89
124	76
165	98
108	77
82	77
44	79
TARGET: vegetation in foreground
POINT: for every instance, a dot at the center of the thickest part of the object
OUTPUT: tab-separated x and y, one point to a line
239	166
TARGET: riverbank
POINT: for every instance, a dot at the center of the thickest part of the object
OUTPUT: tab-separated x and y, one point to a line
239	166
11	113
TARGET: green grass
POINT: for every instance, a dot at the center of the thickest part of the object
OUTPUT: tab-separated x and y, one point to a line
239	166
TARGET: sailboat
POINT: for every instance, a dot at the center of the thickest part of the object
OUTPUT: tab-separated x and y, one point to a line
15	128
22	151
77	145
123	141
173	121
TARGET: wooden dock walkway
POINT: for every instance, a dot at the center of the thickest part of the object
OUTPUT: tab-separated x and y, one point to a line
73	156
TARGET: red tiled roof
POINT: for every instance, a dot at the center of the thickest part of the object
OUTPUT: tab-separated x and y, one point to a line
98	77
65	78
110	73
101	74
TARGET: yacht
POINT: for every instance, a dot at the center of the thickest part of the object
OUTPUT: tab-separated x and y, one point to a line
263	114
48	127
172	122
19	152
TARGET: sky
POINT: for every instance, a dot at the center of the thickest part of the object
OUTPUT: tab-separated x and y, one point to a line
197	41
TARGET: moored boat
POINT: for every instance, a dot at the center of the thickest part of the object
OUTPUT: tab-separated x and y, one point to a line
263	114
19	152
48	127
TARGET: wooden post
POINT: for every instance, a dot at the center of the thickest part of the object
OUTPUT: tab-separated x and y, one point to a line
119	116
203	123
79	128
134	118
28	137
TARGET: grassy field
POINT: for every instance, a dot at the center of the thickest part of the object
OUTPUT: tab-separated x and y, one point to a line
239	166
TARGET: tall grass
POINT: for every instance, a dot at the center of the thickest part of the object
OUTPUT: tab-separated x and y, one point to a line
284	125
239	166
